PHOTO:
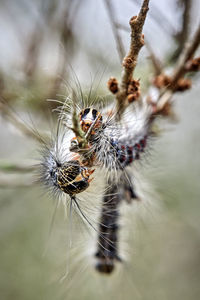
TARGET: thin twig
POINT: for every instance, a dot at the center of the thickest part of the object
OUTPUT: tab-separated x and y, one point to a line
179	71
7	166
186	55
160	17
119	43
182	36
155	61
32	51
64	26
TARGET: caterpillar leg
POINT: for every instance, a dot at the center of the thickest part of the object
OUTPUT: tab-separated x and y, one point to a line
128	190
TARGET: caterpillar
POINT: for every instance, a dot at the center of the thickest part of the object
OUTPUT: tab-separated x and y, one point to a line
111	147
107	253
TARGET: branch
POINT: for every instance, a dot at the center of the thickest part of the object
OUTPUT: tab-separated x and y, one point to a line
32	51
177	82
7	166
186	55
182	36
130	61
155	61
160	17
120	46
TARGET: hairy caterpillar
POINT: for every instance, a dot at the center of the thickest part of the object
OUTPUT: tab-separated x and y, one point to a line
112	147
160	254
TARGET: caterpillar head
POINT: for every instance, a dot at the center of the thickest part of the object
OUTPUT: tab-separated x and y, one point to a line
71	177
88	116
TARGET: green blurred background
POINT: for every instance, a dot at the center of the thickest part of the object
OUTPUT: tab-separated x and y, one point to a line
43	46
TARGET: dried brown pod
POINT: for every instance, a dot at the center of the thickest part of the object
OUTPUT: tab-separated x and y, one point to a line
128	62
134	86
193	65
113	85
133	90
183	84
162	81
133	97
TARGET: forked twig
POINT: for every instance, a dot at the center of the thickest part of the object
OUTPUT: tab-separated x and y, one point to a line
180	70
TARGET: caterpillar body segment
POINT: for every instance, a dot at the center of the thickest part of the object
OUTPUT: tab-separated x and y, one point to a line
116	145
72	178
62	170
125	153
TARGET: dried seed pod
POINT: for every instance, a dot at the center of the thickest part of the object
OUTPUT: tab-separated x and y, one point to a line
162	81
113	85
183	84
193	65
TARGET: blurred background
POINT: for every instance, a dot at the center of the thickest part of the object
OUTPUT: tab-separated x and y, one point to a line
45	45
